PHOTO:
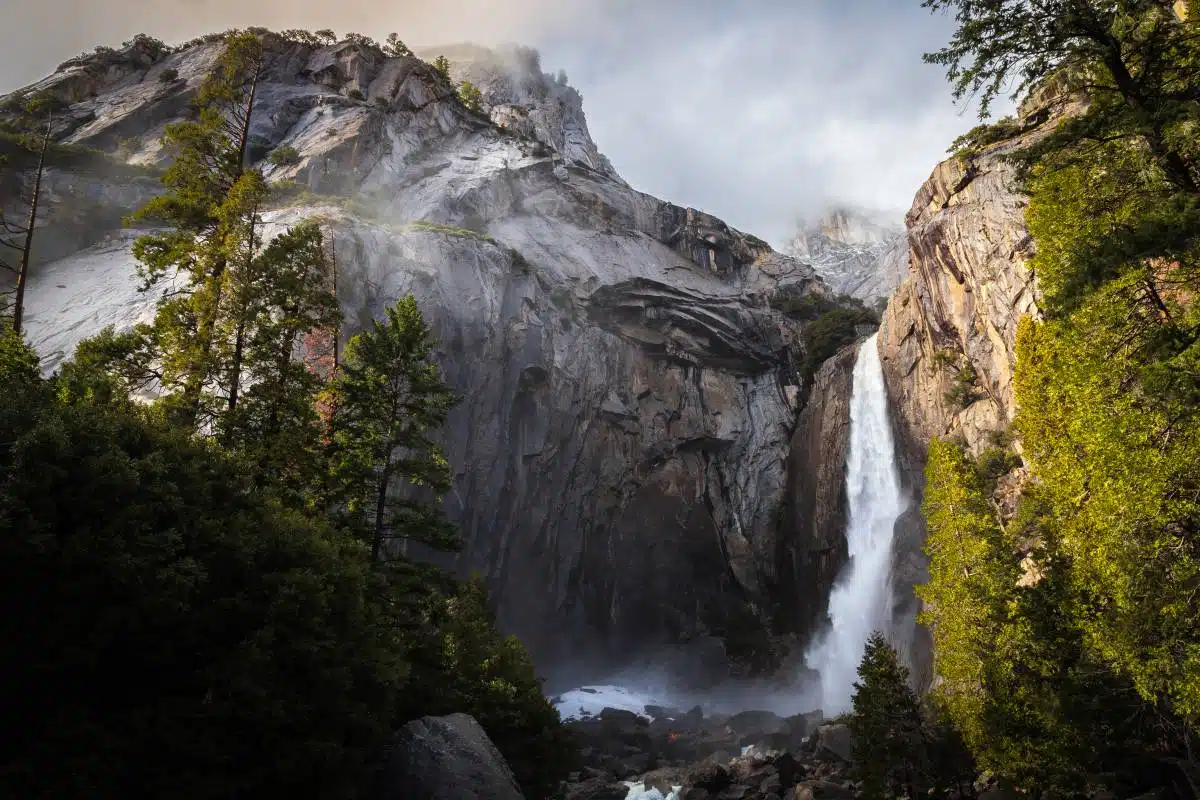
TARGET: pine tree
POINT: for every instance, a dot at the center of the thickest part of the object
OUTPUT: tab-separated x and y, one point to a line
1137	59
889	742
18	237
396	48
210	204
276	299
442	65
387	400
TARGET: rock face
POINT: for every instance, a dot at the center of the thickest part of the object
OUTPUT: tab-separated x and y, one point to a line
858	253
968	286
622	444
815	510
434	758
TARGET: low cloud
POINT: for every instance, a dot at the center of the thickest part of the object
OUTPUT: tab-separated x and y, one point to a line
757	111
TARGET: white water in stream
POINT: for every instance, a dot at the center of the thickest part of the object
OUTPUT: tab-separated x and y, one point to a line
861	600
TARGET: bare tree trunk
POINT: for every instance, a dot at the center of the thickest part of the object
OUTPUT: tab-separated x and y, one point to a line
337	331
23	273
235	369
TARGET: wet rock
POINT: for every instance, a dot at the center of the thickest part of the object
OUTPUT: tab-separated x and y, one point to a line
598	789
814	514
709	775
755	727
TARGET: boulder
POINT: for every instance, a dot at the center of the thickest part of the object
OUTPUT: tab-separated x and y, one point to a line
434	758
598	789
755	727
834	742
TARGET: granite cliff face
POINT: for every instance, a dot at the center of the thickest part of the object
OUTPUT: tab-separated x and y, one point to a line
815	505
948	335
625	436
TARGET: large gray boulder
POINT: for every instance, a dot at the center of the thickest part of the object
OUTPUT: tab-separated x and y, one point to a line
437	758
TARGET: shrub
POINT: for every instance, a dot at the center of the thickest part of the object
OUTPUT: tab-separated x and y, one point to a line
995	462
362	41
284	156
945	357
169	75
356	94
832	324
963	390
470	96
984	135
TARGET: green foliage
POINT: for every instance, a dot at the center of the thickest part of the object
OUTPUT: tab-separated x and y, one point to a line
442	65
1136	60
945	357
194	640
450	230
1033	703
1067	637
169	75
981	136
362	41
356	94
284	156
995	462
470	96
395	48
831	325
387	400
231	576
964	388
470	666
887	727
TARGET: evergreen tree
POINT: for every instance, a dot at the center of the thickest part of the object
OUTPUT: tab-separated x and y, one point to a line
275	300
18	237
387	400
889	740
442	65
396	48
1136	58
194	639
210	204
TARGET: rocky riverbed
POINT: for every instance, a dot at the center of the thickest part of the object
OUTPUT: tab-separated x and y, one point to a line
693	755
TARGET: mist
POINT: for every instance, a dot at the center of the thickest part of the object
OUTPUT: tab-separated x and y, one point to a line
759	112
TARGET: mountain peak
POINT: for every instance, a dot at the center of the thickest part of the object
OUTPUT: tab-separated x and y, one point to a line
858	251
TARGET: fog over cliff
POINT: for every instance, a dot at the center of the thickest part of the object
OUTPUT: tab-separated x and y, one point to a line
755	111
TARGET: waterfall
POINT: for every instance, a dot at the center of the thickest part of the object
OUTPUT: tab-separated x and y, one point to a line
861	599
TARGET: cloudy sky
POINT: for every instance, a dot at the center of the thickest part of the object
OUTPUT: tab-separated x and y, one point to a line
758	111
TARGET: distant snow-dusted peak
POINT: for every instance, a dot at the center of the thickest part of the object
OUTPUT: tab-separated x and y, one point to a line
858	252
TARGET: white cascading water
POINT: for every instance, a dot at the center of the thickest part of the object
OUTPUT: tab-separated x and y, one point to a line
861	600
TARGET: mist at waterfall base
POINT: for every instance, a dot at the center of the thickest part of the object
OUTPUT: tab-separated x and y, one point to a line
859	603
